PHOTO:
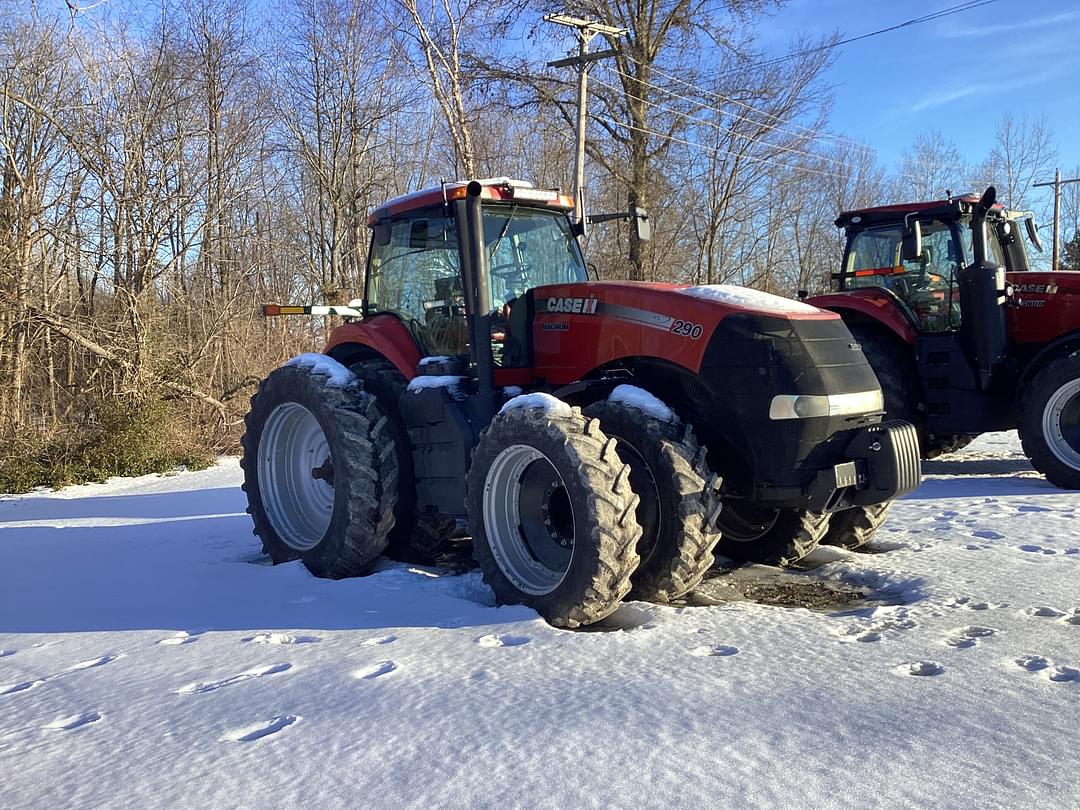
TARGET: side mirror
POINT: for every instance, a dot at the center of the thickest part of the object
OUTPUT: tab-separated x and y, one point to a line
1033	233
911	248
641	223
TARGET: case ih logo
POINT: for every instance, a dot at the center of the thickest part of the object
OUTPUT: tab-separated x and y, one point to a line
1048	289
580	306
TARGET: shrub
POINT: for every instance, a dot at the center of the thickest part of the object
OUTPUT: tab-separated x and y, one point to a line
121	437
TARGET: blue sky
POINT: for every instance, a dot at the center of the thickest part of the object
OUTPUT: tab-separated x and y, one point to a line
957	75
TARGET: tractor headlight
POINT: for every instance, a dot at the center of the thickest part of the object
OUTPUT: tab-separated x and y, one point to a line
794	406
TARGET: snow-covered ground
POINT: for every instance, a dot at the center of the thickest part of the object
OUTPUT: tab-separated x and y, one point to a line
149	657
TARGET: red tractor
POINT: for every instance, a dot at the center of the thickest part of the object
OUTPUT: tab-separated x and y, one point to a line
584	434
964	337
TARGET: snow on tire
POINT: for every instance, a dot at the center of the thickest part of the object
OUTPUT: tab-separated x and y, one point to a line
552	514
319	468
679	499
855	527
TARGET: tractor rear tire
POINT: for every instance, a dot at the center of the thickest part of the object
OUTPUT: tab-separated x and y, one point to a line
775	537
678	500
1050	421
853	528
412	540
552	515
319	470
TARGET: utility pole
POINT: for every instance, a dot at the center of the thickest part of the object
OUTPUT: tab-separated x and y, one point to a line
1057	184
586	30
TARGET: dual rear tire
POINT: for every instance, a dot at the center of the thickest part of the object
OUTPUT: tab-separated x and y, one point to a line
320	473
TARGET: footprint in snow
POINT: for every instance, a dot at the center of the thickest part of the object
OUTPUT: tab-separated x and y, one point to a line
1065	674
502	640
183	637
968	637
921	668
376	670
721	650
93	662
372	642
73	721
1033	549
1046	612
1075	618
280	638
6	653
246	675
986	534
1032	663
961	642
1033	509
256	731
22	686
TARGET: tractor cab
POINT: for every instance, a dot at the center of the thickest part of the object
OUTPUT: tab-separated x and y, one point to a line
915	253
414	266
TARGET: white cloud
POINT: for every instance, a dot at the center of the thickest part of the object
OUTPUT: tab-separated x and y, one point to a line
956	93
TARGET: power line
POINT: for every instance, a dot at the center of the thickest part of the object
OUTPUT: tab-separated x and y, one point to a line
812	134
752	139
936	15
817	135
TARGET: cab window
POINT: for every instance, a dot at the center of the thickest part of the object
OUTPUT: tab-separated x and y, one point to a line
414	272
927	286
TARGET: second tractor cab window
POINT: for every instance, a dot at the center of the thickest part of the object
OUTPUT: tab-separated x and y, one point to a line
928	286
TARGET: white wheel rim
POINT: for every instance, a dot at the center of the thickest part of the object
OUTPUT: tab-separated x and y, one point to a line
518	559
1053	427
298	505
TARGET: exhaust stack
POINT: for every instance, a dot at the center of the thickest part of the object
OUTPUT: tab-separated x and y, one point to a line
982	300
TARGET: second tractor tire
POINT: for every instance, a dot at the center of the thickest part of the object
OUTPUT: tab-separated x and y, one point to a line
853	528
679	499
1050	421
784	538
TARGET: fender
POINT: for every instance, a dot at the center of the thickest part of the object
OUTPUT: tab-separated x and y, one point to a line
384	334
875	304
1066	344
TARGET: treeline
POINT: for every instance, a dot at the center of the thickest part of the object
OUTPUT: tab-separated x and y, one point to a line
168	168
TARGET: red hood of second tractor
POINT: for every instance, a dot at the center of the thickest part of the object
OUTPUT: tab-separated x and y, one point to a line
1046	305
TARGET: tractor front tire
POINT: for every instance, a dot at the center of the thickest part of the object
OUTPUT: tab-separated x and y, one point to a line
319	471
678	500
1050	421
853	528
771	536
552	514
